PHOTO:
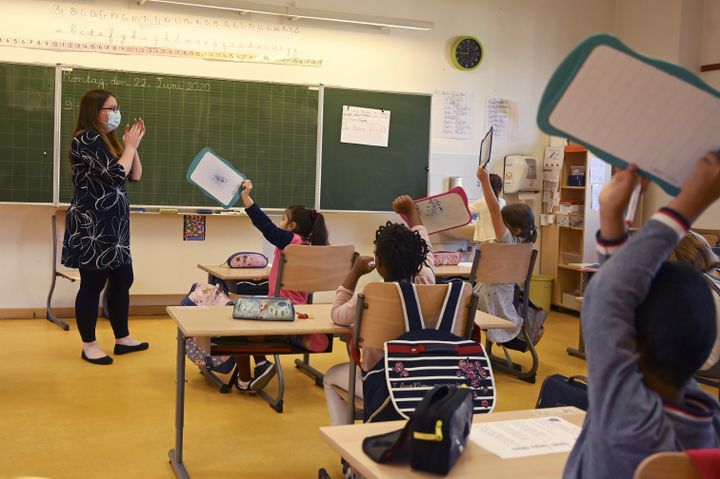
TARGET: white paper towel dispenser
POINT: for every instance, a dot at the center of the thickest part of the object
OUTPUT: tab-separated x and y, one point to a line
521	174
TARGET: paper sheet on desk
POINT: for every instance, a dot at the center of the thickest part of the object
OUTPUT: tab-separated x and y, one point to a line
525	437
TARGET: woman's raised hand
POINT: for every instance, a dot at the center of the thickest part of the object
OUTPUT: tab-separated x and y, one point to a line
134	134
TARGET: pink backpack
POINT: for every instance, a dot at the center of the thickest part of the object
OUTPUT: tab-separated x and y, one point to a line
203	294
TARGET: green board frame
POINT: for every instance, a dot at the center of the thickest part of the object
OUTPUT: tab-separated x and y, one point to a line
27	122
367	178
266	130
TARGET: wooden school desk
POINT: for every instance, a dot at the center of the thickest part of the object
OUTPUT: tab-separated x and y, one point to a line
579	352
453	270
222	272
475	461
214	321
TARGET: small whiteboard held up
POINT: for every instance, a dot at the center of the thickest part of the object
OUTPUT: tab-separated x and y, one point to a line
365	126
215	177
444	211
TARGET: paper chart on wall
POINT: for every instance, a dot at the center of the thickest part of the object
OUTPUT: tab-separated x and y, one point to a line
525	437
502	117
365	126
215	177
457	114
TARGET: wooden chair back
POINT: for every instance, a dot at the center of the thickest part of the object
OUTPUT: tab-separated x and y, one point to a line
500	263
382	317
313	268
667	465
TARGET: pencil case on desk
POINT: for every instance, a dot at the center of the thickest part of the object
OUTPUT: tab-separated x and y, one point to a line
245	259
263	309
447	258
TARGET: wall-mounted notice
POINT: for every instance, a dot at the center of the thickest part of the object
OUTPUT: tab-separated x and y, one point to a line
502	116
457	114
365	126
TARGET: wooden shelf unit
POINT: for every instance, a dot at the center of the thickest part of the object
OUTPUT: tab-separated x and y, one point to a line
573	244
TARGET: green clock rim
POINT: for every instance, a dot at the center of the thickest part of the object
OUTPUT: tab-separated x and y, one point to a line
454	49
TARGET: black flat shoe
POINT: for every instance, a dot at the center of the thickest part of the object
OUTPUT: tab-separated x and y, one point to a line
122	349
105	360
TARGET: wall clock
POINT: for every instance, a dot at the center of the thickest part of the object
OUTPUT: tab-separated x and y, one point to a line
467	53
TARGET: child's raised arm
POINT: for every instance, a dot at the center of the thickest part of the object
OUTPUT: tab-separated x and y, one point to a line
493	205
404	205
614	200
622	284
277	236
700	189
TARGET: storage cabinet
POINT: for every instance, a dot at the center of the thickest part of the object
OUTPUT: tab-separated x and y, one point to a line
570	242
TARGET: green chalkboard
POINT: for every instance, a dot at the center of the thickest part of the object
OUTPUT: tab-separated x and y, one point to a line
27	97
268	131
363	177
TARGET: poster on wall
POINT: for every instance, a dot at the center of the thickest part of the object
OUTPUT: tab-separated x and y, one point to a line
194	228
365	126
456	116
502	117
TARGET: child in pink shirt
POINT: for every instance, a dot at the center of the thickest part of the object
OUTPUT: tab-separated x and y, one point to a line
298	225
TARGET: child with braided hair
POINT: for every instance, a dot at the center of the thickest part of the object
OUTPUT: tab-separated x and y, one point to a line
401	254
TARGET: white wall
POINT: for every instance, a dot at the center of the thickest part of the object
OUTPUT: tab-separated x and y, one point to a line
524	41
686	32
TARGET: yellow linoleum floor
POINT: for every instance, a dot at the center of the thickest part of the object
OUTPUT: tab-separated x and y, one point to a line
61	417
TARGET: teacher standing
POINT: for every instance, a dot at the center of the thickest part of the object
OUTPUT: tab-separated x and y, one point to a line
97	233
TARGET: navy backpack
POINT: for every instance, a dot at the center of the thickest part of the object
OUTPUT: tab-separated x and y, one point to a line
422	358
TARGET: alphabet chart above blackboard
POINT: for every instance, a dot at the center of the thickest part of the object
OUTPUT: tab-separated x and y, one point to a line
119	27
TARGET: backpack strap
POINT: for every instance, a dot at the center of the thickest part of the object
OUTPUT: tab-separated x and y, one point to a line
411	306
450	307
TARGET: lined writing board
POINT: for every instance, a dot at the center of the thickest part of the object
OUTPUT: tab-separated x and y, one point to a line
369	177
266	130
628	108
27	97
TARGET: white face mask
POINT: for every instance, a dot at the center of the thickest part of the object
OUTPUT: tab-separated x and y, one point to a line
113	120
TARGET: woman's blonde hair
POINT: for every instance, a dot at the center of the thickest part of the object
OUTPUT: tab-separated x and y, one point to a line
694	250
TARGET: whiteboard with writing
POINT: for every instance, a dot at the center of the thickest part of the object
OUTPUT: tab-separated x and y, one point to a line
365	126
444	211
215	177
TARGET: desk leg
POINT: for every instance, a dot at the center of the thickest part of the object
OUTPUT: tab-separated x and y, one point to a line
276	402
580	351
304	366
49	314
176	455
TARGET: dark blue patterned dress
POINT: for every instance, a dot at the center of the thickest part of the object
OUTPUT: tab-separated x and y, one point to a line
97	231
